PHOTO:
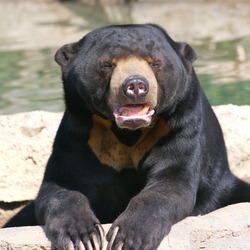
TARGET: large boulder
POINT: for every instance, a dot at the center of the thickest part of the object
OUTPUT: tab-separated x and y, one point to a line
235	123
25	145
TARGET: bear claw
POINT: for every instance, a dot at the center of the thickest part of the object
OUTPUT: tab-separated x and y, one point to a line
81	246
101	234
111	242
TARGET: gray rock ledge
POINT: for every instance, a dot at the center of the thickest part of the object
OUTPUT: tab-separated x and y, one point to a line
226	228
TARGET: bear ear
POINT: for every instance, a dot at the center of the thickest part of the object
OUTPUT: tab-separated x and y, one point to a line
188	53
65	53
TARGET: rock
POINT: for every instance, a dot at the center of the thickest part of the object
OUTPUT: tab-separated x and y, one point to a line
26	141
227	228
25	145
235	122
24	238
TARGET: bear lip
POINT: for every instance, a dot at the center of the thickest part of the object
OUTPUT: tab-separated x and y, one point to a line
133	112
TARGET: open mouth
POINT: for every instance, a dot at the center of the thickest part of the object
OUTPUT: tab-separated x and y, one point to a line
133	116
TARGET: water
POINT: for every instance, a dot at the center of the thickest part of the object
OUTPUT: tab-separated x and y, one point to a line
30	78
223	71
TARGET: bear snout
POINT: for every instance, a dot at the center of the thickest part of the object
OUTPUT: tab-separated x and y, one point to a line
133	92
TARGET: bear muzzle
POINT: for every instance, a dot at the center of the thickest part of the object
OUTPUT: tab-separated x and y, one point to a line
133	93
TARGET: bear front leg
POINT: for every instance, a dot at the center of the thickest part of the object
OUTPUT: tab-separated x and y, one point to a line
69	221
148	218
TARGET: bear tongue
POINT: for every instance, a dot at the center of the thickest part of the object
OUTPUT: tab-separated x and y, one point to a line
134	110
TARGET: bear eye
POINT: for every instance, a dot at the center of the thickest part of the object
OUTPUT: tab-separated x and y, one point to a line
107	66
156	64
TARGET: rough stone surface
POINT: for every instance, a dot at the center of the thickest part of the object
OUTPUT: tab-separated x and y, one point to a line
25	145
24	238
235	122
227	228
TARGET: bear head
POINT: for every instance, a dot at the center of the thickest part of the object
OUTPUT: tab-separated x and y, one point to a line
125	73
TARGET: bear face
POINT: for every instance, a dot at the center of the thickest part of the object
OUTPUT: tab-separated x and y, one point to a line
128	74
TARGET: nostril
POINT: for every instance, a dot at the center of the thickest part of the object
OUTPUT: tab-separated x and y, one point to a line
131	86
142	87
130	89
135	86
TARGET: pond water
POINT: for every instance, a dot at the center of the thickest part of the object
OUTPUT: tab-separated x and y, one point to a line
30	79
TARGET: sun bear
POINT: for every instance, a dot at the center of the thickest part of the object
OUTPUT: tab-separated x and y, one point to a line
139	145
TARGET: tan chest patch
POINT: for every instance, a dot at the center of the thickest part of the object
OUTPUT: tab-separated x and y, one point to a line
111	152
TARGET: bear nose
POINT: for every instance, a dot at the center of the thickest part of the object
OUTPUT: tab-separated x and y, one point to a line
135	86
